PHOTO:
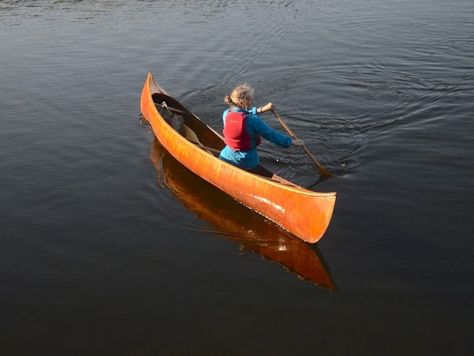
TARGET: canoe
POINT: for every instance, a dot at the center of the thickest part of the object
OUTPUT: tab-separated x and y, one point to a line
304	213
234	222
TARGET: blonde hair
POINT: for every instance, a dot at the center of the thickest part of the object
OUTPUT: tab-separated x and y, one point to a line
241	96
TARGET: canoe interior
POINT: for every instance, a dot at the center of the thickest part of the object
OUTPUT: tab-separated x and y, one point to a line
207	136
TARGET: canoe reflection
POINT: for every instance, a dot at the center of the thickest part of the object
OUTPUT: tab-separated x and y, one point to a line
238	223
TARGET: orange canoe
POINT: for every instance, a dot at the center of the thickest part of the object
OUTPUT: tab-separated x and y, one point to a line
304	213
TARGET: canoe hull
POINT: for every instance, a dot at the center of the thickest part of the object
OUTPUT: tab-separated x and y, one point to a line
304	213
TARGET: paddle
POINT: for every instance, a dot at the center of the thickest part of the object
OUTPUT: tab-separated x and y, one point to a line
323	171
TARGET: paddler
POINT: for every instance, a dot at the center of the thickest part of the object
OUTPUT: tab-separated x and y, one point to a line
243	128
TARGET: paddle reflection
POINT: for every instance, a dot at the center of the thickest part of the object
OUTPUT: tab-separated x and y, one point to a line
238	223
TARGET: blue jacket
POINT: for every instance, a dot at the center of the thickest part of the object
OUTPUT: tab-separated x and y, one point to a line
255	126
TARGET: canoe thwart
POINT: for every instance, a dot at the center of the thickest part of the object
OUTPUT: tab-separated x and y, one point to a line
164	105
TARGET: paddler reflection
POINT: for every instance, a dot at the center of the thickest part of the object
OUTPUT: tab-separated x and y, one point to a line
238	223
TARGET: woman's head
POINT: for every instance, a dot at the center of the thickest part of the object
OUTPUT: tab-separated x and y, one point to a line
241	96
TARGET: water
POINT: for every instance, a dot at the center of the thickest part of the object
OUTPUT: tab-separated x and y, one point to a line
109	246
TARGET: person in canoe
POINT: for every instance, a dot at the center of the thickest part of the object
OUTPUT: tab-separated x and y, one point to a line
243	129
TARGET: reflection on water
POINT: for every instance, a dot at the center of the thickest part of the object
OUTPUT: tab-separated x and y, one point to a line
238	223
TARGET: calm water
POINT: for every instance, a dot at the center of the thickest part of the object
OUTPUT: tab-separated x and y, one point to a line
109	246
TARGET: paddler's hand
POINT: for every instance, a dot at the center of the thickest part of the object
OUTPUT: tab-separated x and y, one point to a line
265	108
297	142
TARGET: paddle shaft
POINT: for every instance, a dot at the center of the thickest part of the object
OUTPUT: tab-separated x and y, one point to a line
322	170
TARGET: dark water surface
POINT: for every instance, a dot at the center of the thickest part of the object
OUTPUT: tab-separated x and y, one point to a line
109	246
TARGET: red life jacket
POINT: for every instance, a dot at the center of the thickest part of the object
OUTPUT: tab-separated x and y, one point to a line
236	135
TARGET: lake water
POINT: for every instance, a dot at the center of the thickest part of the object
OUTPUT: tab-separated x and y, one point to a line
109	246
